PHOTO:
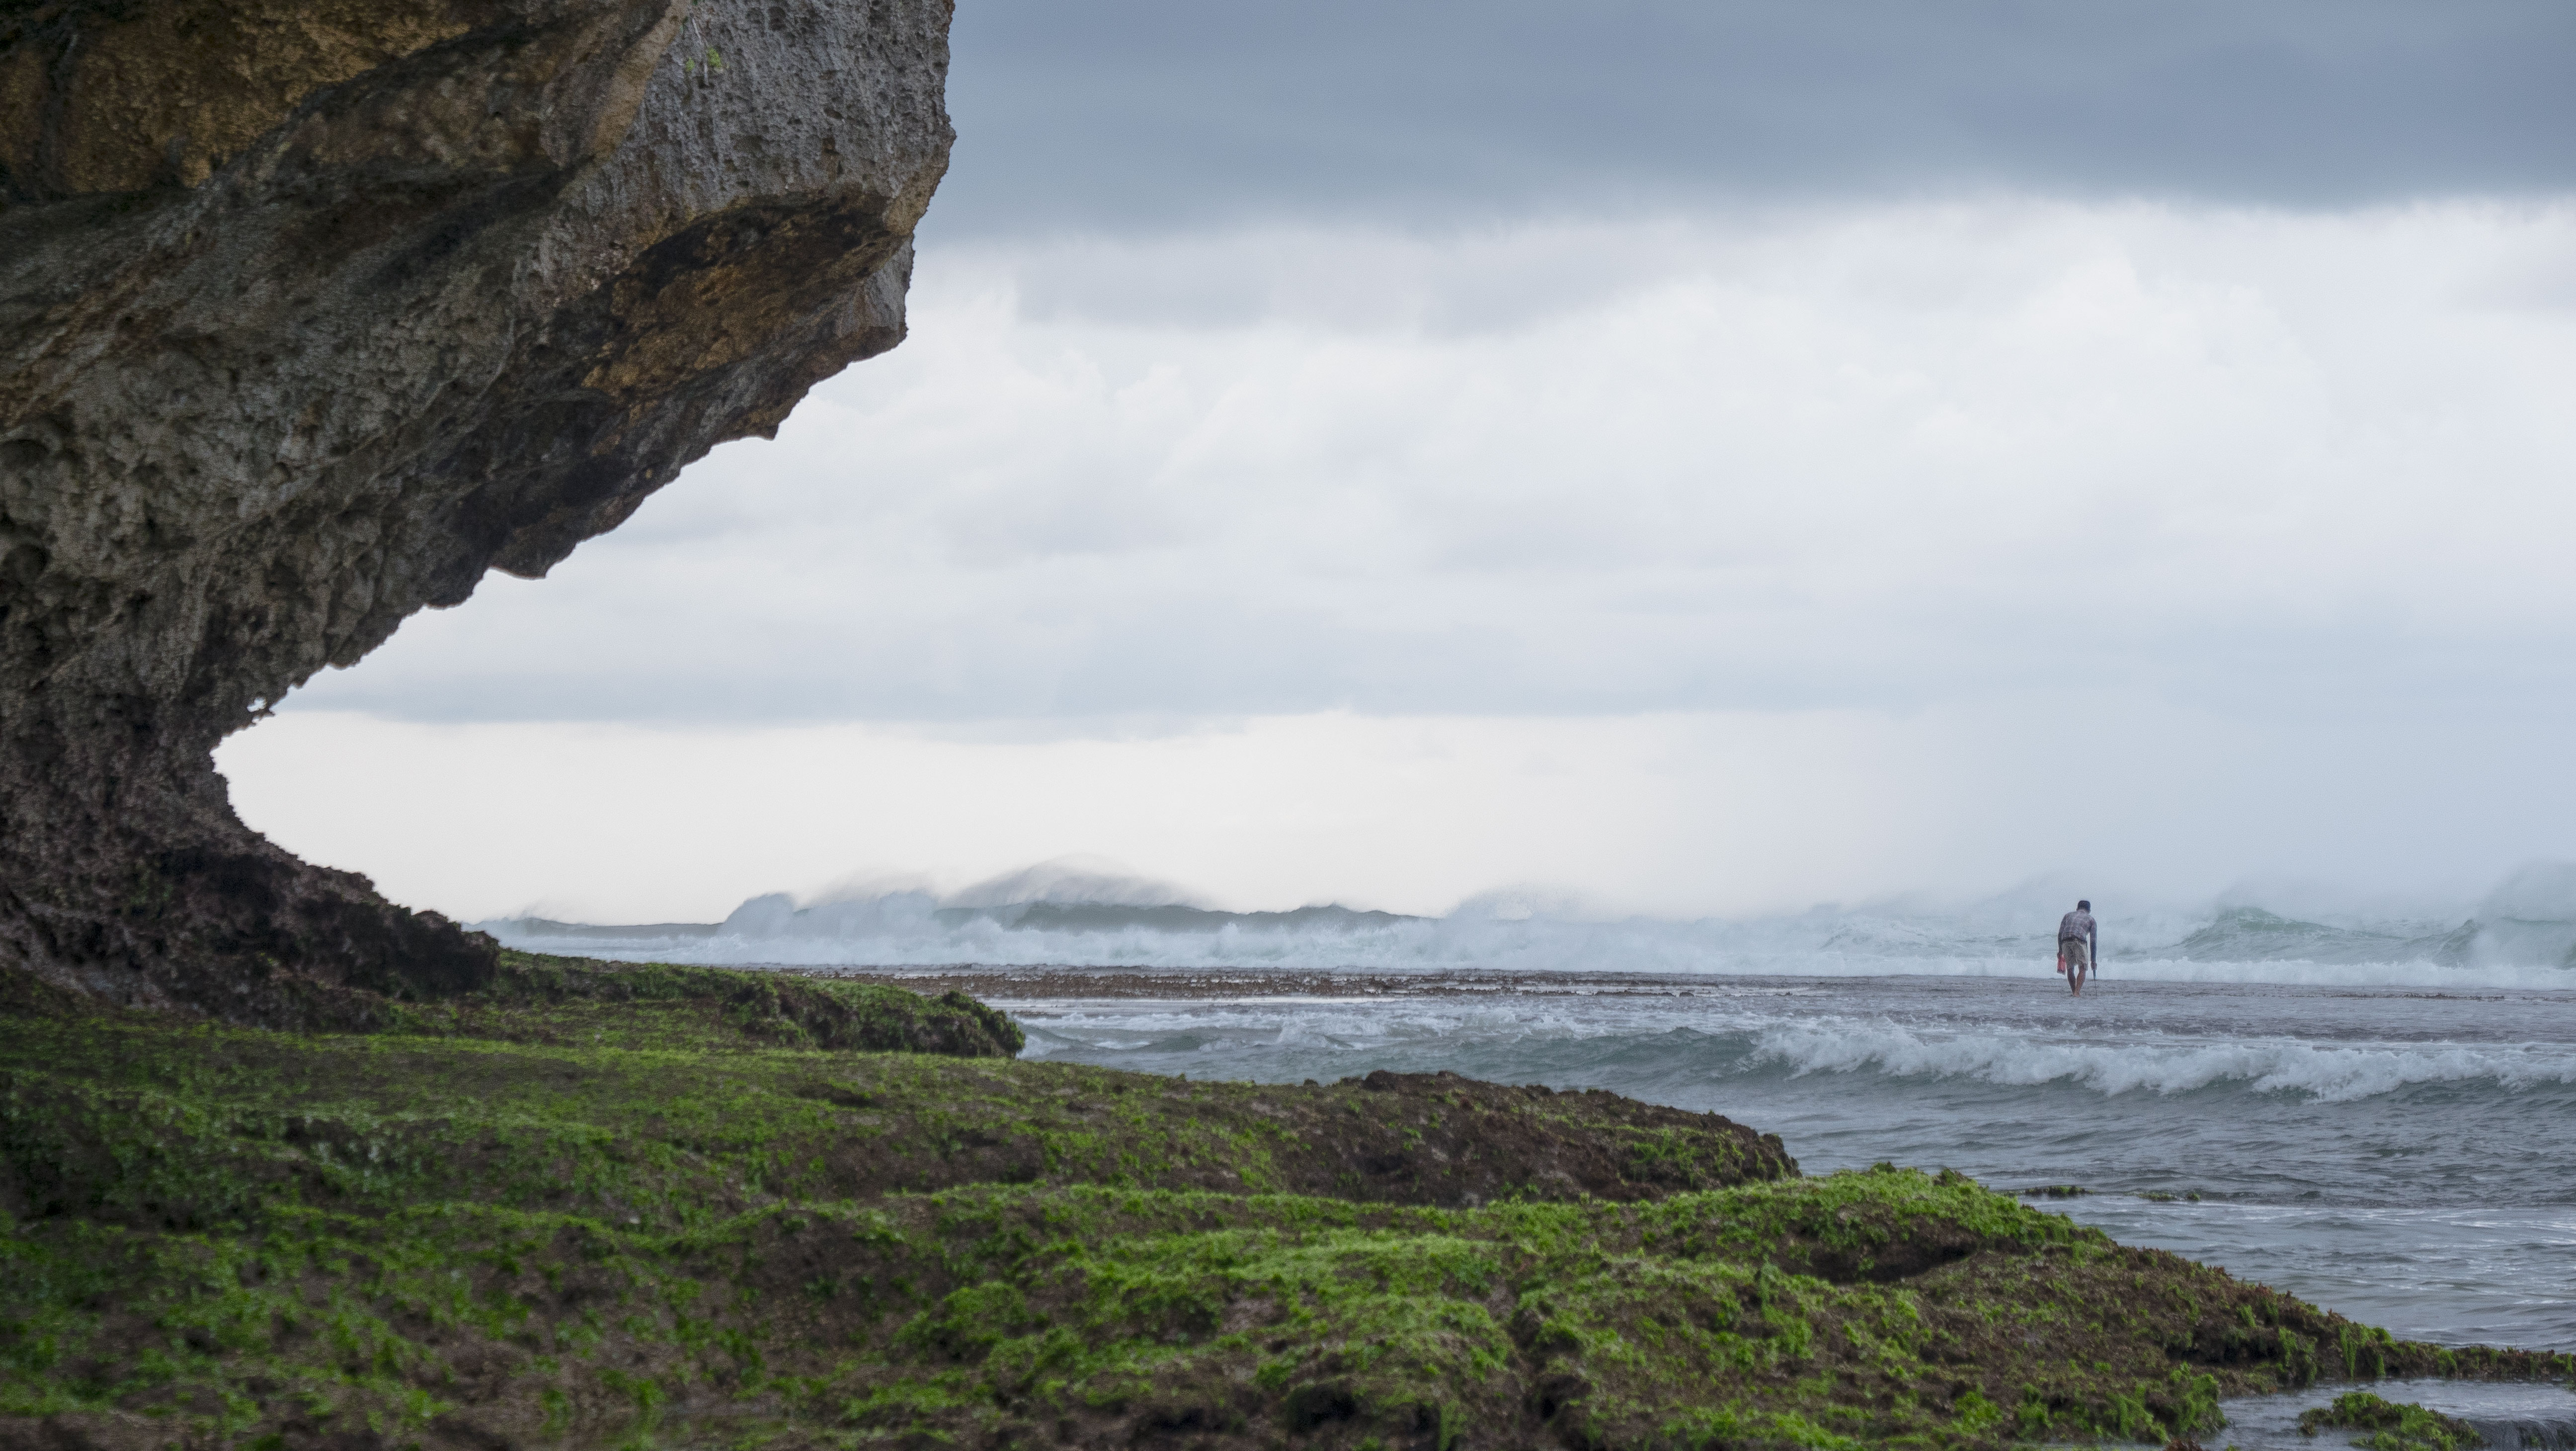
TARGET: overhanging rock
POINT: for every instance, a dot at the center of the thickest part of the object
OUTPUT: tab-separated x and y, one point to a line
311	311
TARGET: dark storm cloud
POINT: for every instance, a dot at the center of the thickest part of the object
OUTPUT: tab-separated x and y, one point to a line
1154	113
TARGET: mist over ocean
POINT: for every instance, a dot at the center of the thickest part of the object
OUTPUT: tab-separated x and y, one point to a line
2521	933
2371	1104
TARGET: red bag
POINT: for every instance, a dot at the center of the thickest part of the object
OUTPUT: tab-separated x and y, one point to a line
2061	964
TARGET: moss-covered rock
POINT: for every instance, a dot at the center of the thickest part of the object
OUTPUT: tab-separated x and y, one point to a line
632	1221
2393	1425
540	999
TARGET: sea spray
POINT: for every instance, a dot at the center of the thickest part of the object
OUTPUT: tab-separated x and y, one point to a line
1081	914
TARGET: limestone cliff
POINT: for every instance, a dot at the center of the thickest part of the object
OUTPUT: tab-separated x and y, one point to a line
311	311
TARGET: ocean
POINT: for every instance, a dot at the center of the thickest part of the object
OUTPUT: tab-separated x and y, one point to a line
2404	1155
2374	1111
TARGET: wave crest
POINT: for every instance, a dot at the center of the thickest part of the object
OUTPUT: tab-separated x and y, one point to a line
1085	913
2328	1074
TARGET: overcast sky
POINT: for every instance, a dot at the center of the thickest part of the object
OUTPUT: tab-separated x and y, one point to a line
1759	452
1141	114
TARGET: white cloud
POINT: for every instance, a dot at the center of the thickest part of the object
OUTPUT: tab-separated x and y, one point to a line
1879	456
1708	564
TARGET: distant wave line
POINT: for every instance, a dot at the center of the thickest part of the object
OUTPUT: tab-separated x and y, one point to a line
2330	1074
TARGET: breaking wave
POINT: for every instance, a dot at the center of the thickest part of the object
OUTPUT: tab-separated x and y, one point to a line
2523	935
2327	1073
1670	1045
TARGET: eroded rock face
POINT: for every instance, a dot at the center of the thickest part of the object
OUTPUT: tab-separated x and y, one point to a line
311	311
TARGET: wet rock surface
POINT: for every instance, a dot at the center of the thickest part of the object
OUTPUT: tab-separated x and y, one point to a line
595	1204
1438	1138
794	1248
312	313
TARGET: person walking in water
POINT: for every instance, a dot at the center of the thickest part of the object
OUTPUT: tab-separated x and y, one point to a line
2079	943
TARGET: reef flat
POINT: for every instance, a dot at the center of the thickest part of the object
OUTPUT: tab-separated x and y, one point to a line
681	1207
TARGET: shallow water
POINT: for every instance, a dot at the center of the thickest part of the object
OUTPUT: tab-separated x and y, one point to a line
2401	1155
2509	1416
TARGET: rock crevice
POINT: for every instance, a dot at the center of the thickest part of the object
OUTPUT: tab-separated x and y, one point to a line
310	314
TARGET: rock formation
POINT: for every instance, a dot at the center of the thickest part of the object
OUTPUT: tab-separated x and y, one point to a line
311	311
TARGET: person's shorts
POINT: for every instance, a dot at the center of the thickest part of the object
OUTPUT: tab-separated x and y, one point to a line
2076	951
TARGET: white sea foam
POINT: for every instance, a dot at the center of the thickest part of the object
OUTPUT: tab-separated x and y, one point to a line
884	935
1721	1042
2331	1074
2009	935
1274	1024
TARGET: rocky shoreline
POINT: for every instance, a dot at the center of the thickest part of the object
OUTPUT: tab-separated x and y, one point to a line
1025	984
623	1205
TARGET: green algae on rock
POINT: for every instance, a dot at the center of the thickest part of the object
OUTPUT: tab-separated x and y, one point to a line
539	999
682	1113
632	1214
2394	1425
532	998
